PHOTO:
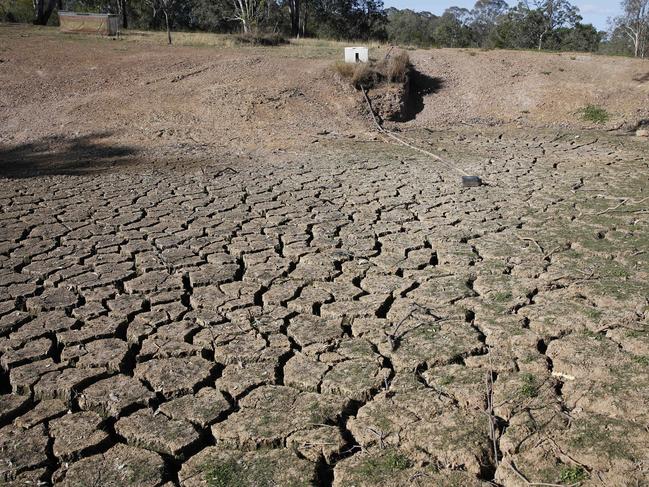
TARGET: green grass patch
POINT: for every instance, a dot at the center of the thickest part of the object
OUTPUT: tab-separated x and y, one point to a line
445	380
595	114
222	475
530	387
500	296
572	475
380	468
593	335
231	473
642	360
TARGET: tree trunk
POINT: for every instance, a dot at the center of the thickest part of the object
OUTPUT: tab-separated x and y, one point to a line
294	11
304	19
44	9
124	14
168	26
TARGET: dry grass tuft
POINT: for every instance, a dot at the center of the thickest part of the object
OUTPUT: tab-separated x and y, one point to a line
397	67
345	70
394	69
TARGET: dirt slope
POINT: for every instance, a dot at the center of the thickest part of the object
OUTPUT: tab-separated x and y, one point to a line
531	88
162	103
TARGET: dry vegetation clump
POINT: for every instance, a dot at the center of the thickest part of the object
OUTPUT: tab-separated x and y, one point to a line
397	67
261	39
394	69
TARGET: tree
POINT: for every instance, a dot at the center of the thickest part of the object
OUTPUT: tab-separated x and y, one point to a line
249	13
634	22
406	27
484	17
452	29
519	29
43	10
349	19
295	14
167	9
581	37
556	14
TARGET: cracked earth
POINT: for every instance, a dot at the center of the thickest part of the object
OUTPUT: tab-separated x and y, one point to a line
352	318
218	292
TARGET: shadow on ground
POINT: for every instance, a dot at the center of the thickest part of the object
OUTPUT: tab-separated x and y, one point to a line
88	154
642	78
420	85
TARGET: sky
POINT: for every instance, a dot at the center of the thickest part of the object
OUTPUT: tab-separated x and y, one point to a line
594	12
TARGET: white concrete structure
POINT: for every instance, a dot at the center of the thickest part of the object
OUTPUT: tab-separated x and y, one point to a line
356	55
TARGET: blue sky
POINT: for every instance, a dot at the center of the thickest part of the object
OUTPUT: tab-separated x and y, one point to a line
595	12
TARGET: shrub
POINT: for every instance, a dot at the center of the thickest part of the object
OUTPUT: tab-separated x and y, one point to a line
572	475
595	114
365	76
261	39
397	67
394	69
345	70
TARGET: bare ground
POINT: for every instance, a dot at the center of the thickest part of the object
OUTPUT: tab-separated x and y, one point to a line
213	271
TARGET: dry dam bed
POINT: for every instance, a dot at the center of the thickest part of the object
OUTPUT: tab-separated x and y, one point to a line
350	319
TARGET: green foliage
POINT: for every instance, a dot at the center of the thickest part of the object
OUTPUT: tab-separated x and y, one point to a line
451	31
642	360
222	475
572	475
379	468
519	29
595	114
406	27
446	380
16	11
530	387
231	473
500	296
490	24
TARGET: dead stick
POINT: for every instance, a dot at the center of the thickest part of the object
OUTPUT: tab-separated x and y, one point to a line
624	202
535	242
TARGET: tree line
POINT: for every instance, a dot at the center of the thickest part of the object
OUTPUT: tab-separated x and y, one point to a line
531	24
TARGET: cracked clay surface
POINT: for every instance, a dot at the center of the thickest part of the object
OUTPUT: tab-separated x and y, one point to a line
351	318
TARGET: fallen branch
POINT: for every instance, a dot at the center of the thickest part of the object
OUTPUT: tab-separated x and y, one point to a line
585	145
402	142
490	411
624	202
528	239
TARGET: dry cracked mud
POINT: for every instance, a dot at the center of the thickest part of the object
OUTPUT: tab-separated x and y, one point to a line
351	317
